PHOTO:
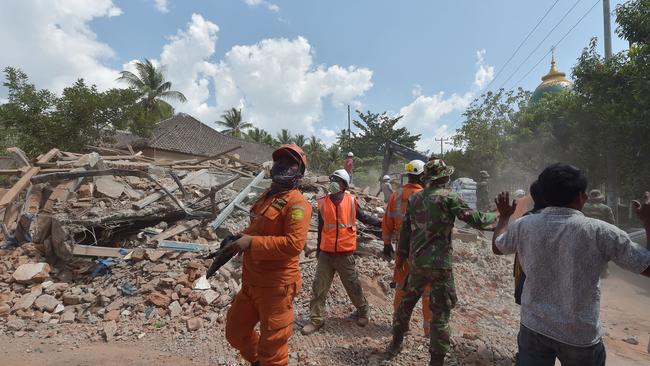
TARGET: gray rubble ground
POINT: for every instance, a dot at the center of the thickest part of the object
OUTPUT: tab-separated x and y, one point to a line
175	318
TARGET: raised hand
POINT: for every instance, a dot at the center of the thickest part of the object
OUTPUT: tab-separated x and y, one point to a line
642	209
503	205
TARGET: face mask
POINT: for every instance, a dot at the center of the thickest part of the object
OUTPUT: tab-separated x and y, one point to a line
285	177
334	187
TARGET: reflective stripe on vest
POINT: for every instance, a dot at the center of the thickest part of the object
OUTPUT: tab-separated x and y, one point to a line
397	208
339	231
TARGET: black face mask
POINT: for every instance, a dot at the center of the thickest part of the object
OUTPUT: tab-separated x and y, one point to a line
285	177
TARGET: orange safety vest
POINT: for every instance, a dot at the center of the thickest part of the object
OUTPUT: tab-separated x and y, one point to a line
339	232
395	210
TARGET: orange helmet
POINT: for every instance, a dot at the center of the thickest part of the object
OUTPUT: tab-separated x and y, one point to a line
294	151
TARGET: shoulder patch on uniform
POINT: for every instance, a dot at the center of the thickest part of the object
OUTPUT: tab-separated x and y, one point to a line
297	213
279	204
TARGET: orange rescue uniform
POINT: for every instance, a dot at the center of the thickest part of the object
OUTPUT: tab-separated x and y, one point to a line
390	227
270	278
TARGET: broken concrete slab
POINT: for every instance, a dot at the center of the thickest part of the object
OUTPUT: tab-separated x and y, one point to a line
109	187
47	303
29	273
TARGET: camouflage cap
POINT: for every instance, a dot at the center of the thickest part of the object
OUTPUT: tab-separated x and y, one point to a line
436	168
484	174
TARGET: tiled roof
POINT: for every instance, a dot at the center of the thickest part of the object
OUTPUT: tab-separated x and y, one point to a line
185	134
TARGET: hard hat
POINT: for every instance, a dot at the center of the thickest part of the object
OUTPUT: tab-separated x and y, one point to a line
436	168
341	173
294	151
519	193
350	154
385	177
414	167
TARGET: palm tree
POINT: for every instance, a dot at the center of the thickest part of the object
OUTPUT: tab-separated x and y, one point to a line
149	81
231	119
314	151
258	135
300	140
284	137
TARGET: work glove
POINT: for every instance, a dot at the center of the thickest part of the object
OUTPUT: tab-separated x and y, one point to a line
389	252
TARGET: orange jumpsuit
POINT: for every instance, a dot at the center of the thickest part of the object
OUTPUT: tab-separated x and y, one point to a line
390	227
270	278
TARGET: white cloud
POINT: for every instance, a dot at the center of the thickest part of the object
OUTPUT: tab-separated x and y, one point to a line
424	113
416	91
327	135
162	5
254	3
56	45
275	82
485	73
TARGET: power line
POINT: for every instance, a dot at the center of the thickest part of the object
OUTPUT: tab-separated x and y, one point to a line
558	42
540	43
522	43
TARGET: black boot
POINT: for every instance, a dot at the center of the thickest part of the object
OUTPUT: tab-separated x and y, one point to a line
395	345
437	359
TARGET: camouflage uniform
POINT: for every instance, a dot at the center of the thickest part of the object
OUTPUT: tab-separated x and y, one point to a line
482	192
425	239
596	207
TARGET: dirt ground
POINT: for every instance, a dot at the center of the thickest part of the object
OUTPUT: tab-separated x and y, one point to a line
625	311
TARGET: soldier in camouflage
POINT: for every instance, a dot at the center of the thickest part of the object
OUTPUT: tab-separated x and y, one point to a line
425	241
482	192
596	207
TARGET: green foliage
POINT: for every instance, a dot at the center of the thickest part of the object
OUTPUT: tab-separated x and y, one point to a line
152	88
606	112
299	140
37	120
235	126
283	137
374	131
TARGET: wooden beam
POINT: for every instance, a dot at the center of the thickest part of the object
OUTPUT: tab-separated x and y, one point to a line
19	156
252	166
48	156
10	172
22	183
218	155
171	188
94	251
177	229
184	247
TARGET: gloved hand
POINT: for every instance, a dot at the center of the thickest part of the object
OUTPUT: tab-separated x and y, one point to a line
389	251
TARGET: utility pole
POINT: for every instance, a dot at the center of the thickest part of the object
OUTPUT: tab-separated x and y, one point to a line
349	132
612	171
441	142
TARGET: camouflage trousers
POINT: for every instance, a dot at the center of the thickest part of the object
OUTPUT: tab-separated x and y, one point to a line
442	298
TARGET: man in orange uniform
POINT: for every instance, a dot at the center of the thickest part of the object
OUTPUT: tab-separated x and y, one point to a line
271	273
390	228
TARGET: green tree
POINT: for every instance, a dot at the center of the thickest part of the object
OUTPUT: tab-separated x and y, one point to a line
258	135
300	140
283	137
314	150
232	120
149	81
375	130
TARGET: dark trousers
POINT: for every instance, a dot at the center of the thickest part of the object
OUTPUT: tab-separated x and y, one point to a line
538	350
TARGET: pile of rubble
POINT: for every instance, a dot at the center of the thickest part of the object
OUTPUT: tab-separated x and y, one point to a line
110	247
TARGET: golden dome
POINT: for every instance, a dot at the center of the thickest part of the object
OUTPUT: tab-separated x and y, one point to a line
553	82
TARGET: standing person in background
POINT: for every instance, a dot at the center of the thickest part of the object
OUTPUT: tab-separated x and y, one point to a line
385	187
483	192
390	227
596	208
539	205
348	165
336	243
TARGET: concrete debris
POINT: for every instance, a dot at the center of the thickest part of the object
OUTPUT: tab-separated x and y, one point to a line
631	340
31	273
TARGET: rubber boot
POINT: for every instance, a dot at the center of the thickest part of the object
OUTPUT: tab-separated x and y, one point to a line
395	346
437	359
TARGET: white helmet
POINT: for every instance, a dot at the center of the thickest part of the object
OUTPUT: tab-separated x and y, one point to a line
414	167
520	193
350	154
385	178
341	173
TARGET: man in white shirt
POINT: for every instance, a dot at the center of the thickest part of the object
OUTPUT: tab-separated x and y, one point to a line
562	253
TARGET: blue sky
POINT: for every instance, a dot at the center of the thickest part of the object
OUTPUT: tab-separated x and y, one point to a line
296	64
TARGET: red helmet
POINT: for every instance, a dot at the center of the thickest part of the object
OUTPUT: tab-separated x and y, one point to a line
294	151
